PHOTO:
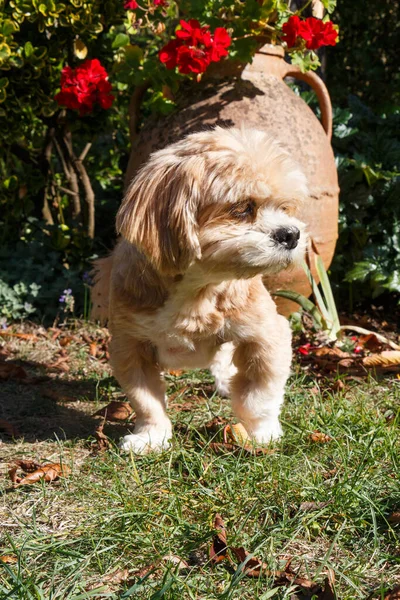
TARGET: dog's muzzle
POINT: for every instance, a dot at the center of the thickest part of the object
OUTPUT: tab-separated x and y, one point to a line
288	237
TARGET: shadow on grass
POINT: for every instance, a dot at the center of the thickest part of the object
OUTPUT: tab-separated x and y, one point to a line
45	406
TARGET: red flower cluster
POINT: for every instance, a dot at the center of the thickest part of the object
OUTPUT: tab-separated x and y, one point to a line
315	32
131	5
195	47
85	86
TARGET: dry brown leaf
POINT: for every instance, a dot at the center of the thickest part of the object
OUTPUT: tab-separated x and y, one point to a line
218	549
102	442
394	517
236	434
116	577
48	473
9	428
175	372
389	358
311	506
66	340
393	594
60	364
28	466
11	371
8	559
319	437
215	425
93	349
256	568
22	336
253	566
332	353
338	386
327	592
115	411
370	341
176	560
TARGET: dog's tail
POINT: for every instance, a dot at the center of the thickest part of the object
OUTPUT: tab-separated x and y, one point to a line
101	275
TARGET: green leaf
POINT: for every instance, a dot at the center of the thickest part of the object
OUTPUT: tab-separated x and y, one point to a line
328	295
120	40
133	55
8	27
308	61
305	304
28	49
330	5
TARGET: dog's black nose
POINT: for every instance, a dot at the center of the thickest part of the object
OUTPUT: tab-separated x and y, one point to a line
287	237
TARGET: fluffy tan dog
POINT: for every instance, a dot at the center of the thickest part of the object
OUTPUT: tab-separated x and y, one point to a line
201	223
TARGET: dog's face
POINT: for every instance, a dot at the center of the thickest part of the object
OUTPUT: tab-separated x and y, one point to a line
223	198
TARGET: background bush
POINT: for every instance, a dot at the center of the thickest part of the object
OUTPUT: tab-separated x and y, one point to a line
47	246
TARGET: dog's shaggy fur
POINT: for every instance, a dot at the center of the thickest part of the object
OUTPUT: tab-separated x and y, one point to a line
201	223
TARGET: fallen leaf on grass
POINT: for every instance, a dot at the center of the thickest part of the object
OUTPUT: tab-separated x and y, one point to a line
332	353
394	594
9	428
175	560
93	349
60	364
11	371
389	358
216	424
66	340
48	473
175	372
8	559
236	434
102	442
394	517
253	567
319	437
22	336
115	411
218	549
310	506
116	577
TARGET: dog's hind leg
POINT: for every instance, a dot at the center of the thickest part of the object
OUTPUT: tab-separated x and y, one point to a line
142	382
223	369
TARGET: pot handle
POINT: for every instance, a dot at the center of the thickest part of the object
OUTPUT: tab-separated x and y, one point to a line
320	89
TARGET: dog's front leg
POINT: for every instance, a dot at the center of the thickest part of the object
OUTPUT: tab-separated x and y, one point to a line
258	388
143	384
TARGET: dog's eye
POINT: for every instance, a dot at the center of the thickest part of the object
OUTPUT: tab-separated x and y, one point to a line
244	210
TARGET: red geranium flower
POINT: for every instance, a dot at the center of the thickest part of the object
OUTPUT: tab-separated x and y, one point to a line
131	5
195	47
85	86
291	31
160	3
313	31
317	33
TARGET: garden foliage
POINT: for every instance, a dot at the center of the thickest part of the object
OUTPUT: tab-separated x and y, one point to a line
77	78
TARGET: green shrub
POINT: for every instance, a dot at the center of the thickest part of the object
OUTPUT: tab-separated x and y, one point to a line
367	147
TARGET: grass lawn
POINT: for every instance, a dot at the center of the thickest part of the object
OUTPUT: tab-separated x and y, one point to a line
118	525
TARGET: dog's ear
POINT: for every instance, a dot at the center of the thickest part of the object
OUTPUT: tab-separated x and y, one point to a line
158	213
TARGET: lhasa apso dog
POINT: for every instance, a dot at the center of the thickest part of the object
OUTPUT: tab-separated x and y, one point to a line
201	223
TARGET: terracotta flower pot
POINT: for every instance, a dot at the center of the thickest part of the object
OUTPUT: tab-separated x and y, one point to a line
257	96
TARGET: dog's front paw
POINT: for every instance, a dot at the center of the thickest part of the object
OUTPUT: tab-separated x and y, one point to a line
266	431
146	442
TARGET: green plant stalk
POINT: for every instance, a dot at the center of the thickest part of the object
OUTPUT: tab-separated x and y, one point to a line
305	304
330	301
